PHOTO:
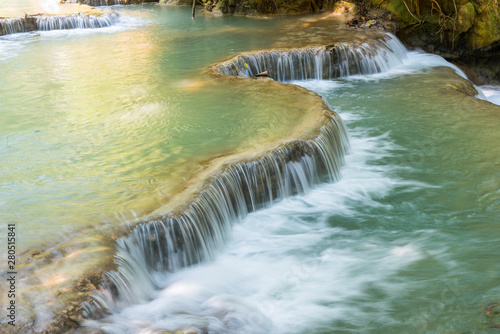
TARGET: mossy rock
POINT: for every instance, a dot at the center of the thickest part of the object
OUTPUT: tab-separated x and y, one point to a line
466	17
486	29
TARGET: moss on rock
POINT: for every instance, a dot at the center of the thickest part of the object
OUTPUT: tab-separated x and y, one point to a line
485	30
466	17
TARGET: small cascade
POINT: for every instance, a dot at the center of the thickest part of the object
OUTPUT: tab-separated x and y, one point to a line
57	22
167	244
17	25
76	21
320	63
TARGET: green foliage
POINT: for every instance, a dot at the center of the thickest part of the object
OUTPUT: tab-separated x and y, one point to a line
473	24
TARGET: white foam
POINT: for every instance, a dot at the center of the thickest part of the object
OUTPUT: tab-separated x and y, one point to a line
491	93
415	62
10	47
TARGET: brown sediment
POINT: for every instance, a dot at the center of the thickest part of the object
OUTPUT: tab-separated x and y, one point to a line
491	312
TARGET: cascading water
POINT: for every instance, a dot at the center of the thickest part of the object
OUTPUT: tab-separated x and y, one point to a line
172	243
13	26
76	21
329	62
168	244
320	63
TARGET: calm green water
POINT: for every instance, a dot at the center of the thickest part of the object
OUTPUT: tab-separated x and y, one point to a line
98	124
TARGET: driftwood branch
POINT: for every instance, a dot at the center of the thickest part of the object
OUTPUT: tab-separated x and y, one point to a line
262	74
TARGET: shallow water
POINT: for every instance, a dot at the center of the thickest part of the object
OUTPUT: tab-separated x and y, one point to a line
406	242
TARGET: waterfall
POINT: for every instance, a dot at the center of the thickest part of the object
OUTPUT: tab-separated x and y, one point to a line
16	25
319	63
76	21
167	244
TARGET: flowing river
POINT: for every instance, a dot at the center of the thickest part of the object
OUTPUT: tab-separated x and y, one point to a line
98	127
